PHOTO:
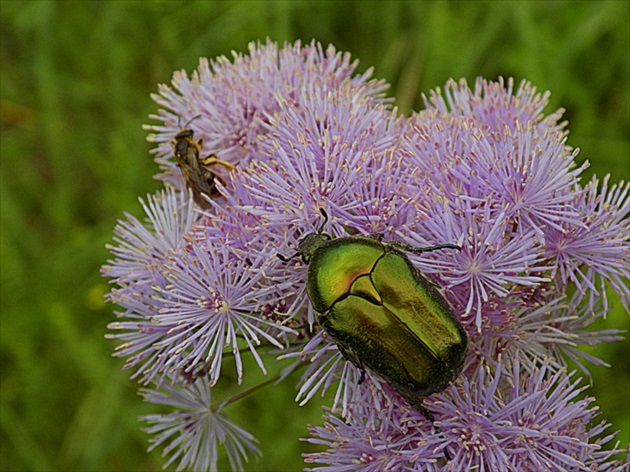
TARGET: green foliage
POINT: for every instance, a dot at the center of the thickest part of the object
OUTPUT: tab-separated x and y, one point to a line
76	78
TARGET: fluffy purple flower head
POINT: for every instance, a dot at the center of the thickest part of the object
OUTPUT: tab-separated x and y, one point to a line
494	420
481	168
199	428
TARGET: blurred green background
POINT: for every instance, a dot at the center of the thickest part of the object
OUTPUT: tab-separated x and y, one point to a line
75	84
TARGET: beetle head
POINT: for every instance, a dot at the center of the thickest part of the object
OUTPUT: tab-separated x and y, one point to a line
309	243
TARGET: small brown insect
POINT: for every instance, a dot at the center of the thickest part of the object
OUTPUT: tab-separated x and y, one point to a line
197	171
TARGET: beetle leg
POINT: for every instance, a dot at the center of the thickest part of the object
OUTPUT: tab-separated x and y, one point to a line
285	258
416	402
352	357
406	247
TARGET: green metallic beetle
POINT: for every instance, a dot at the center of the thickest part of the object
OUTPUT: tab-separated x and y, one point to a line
383	313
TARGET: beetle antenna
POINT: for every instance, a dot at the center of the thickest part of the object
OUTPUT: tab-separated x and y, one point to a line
325	215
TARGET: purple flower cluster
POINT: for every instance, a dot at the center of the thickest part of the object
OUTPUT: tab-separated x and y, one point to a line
482	168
